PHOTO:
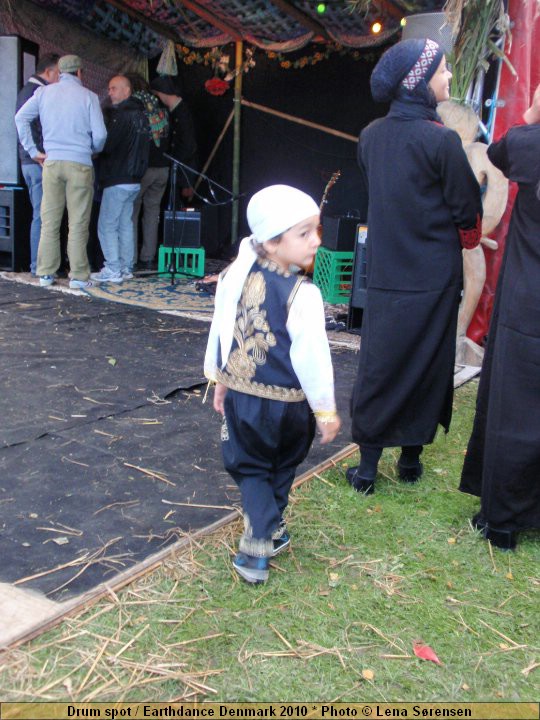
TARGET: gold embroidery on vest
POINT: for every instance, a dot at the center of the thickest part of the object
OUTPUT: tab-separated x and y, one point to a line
254	337
251	331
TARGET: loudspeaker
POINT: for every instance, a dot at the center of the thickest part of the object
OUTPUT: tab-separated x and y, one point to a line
357	301
182	229
18	59
339	232
429	25
15	219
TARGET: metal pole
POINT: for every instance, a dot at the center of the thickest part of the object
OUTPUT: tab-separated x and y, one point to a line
236	139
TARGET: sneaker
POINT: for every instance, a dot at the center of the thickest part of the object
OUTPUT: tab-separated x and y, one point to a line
106	275
127	275
46	280
80	284
252	569
281	544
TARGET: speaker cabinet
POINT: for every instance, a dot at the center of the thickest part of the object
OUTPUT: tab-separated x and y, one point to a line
15	219
339	232
182	228
18	59
357	302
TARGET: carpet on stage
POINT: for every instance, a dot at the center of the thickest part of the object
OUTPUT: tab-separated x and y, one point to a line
107	453
158	293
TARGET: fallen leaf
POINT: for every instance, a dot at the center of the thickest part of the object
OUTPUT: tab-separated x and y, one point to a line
509	575
333	579
368	674
465	687
112	361
60	540
424	652
451	541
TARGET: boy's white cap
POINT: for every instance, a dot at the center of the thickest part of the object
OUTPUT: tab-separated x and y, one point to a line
277	208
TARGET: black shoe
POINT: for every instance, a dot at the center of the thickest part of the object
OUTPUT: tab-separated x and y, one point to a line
146	265
503	539
410	473
360	484
281	544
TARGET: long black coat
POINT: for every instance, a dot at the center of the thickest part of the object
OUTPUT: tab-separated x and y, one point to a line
502	464
421	192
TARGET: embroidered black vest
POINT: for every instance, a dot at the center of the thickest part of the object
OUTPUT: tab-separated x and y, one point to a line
259	362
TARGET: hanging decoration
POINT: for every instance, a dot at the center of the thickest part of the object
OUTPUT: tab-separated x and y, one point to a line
319	55
189	56
167	62
223	74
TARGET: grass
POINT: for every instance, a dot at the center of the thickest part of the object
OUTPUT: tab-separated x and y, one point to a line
365	579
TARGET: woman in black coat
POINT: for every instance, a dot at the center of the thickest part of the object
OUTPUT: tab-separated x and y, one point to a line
424	206
502	464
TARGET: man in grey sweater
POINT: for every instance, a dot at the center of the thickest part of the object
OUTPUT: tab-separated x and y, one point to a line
46	73
73	130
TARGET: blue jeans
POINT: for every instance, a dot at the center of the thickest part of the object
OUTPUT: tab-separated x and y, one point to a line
32	174
115	227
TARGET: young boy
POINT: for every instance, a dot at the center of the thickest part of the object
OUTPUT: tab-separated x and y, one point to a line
269	357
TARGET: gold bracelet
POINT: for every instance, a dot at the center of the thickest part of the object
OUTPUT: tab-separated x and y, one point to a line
326	416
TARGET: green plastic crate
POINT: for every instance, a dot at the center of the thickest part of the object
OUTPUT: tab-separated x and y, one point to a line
333	275
189	261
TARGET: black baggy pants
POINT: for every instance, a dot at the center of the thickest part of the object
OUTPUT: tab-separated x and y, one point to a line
263	442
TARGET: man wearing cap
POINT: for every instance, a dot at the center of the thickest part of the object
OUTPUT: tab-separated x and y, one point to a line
73	130
46	73
182	145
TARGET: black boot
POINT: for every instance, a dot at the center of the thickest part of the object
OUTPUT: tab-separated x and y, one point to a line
409	467
362	477
357	482
503	539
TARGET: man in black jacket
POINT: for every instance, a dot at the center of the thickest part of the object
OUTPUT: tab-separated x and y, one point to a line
122	164
46	73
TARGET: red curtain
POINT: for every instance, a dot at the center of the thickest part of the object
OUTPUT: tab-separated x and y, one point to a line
516	94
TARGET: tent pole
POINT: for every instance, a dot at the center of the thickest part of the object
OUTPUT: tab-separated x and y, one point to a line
236	139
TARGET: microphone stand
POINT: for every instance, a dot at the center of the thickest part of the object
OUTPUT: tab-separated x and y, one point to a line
173	266
173	270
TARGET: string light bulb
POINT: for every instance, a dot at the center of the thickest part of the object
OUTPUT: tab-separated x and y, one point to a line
321	8
376	27
403	22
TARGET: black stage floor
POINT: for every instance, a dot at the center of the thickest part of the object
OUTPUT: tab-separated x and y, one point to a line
103	430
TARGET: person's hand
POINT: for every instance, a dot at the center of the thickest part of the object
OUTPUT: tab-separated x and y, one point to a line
40	158
328	429
220	391
532	114
187	193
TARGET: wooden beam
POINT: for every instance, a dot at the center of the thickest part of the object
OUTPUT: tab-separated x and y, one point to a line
211	18
306	20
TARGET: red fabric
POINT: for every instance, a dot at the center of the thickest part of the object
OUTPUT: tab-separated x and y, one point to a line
471	238
516	93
